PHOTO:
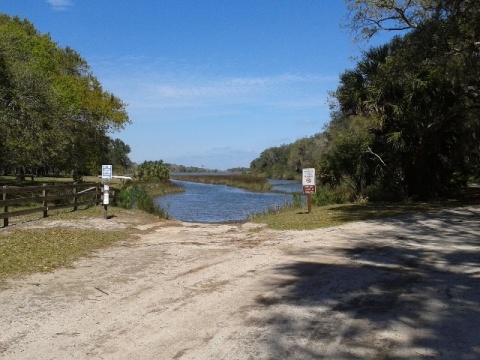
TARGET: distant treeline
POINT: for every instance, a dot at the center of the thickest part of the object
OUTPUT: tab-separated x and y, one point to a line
174	168
405	121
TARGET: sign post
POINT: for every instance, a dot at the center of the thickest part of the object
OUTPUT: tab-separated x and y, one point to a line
107	174
308	185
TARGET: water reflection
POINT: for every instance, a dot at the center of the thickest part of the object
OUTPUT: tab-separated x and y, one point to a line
288	186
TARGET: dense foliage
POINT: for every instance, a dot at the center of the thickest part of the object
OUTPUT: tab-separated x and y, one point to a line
117	156
54	114
152	171
405	120
137	196
288	160
175	168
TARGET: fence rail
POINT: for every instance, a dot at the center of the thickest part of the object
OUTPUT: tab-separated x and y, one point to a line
44	198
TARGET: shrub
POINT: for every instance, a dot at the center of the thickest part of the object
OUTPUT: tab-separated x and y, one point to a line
326	196
377	193
135	196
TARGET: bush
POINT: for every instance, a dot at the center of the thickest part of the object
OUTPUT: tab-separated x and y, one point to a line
346	191
134	196
326	196
377	193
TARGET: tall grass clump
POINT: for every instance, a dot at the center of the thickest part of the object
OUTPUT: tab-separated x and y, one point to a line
297	200
136	196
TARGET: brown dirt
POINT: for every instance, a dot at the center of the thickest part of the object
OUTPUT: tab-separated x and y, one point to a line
401	288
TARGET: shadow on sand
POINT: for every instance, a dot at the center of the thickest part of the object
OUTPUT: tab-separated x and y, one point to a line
410	291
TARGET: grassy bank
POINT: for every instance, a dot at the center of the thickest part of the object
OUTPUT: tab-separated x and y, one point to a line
25	250
246	182
163	188
297	218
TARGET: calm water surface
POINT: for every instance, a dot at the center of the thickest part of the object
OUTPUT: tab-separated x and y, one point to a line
219	203
289	186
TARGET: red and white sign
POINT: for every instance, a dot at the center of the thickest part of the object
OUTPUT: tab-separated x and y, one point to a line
309	189
308	176
308	181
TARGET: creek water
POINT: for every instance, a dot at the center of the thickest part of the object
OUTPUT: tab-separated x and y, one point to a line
219	203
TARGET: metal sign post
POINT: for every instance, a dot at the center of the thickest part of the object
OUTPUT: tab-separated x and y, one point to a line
308	185
107	174
106	197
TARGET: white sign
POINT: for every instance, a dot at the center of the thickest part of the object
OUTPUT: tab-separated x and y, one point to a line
107	171
308	176
106	198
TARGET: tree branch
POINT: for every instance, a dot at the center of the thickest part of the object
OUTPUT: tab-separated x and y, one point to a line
406	20
369	150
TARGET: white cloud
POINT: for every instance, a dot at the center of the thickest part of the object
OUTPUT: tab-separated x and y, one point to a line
60	5
162	88
306	122
217	158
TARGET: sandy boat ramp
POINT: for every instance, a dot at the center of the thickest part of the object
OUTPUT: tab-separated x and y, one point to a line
406	287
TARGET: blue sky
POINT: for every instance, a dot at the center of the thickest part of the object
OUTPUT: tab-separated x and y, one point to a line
208	83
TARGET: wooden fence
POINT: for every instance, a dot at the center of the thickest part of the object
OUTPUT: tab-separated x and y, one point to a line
36	199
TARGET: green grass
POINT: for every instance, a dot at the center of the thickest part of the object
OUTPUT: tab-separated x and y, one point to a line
324	216
25	250
290	218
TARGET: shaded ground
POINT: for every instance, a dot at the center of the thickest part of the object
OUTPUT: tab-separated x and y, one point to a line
402	288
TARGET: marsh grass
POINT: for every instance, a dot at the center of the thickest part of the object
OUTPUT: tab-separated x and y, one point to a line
247	182
165	187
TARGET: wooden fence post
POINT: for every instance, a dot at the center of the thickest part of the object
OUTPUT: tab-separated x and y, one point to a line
5	208
45	202
98	191
113	197
75	198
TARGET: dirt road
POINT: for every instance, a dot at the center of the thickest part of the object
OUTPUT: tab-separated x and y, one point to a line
402	288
